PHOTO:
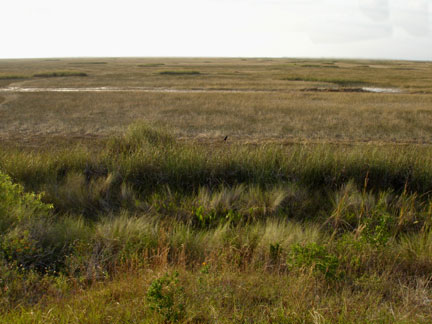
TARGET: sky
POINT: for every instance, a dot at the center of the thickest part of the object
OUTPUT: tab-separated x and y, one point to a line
382	29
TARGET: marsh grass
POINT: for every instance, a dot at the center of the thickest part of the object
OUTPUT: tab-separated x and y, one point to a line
262	233
261	107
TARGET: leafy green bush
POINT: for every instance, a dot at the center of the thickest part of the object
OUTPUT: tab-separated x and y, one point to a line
30	236
314	257
17	206
165	297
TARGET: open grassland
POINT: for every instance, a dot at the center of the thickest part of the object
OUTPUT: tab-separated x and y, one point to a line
250	100
125	204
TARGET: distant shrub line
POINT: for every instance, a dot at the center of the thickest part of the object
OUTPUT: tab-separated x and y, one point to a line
59	74
13	77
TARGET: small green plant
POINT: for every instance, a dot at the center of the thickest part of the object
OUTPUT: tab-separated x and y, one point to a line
315	257
213	217
205	269
204	218
377	229
165	297
233	216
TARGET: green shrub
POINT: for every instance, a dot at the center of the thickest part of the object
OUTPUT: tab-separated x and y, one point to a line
165	297
316	258
17	206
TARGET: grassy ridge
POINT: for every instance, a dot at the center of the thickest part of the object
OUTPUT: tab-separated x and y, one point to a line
147	158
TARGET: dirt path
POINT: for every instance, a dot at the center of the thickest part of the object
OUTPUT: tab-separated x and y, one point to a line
15	89
18	89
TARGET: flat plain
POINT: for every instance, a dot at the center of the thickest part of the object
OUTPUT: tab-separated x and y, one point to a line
215	190
250	100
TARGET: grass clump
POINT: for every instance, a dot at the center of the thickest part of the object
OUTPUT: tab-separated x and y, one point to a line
91	63
179	73
12	76
59	74
340	82
138	137
149	65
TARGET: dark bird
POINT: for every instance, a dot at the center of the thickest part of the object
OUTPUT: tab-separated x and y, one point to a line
225	139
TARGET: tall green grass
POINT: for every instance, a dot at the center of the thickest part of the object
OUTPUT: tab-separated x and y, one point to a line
335	218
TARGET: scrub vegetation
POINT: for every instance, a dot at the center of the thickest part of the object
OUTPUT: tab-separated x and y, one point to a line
208	210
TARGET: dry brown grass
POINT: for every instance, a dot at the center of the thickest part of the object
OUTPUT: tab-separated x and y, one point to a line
273	110
285	117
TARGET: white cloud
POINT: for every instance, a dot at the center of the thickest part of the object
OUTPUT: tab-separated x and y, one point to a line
349	28
377	10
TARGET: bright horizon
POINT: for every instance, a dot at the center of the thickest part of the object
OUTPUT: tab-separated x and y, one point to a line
363	29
